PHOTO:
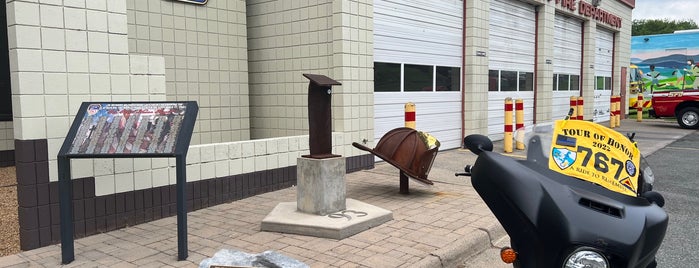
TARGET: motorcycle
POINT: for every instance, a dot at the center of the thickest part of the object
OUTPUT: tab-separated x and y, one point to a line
558	220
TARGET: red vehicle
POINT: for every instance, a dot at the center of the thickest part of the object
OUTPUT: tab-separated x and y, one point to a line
683	105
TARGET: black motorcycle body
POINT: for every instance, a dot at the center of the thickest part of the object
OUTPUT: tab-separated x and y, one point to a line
549	215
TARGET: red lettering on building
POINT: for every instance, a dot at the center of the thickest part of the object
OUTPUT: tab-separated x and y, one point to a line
588	10
569	4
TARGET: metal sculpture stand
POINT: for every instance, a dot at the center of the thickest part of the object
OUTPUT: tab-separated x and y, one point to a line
321	208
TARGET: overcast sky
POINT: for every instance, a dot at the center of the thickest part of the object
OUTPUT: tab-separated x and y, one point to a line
667	9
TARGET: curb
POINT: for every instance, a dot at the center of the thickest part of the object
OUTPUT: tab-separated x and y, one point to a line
464	248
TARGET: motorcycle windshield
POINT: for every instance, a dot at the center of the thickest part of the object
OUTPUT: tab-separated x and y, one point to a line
585	150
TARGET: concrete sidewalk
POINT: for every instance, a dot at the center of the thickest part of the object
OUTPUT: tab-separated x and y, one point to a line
431	226
437	226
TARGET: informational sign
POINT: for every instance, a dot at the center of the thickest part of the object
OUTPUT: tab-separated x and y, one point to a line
128	128
594	153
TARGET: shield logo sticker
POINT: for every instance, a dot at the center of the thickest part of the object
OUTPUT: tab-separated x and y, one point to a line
563	157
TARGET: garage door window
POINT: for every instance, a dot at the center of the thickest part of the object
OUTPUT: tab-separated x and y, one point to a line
418	77
448	78
603	83
499	80
566	82
575	82
386	77
563	82
396	77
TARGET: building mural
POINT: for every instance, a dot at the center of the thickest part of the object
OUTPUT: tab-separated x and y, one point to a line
663	61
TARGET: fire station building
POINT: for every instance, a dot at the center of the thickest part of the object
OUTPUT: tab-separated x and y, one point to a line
242	61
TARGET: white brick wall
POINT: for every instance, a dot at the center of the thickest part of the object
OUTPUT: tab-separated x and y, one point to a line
7	142
476	71
203	162
66	52
287	39
353	61
63	55
547	16
205	59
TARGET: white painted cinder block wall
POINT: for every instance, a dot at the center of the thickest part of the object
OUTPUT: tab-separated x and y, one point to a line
66	52
332	38
63	53
7	142
205	52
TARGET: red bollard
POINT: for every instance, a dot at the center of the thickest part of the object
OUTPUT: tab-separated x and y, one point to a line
639	107
508	125
581	108
574	106
519	123
410	115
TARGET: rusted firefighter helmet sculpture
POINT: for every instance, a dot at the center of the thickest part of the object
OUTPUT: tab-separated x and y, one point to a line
409	150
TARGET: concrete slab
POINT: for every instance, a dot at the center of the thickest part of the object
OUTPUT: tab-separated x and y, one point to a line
358	217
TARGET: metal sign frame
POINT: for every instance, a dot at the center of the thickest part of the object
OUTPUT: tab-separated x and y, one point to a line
127	130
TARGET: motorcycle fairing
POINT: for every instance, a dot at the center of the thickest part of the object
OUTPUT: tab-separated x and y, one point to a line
549	214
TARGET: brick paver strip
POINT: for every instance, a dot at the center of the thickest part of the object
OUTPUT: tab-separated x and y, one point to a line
426	221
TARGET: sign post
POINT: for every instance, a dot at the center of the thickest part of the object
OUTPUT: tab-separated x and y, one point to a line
126	130
320	116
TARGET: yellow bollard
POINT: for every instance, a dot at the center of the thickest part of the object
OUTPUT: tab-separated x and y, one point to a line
580	108
574	106
519	123
410	115
639	107
508	125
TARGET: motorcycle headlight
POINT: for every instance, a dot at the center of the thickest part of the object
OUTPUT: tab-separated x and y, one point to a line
648	176
586	258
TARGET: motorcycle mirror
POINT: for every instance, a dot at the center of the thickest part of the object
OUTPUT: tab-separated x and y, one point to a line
477	143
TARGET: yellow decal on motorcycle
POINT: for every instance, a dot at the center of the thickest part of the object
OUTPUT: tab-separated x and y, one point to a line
597	154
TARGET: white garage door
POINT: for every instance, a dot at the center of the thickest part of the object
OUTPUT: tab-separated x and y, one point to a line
603	74
417	58
512	40
567	60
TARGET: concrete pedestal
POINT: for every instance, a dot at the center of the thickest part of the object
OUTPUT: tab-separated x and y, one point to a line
321	185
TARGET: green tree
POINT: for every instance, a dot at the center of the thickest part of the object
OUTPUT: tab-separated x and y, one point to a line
664	26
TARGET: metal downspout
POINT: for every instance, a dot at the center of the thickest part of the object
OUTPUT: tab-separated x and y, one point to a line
536	59
463	72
